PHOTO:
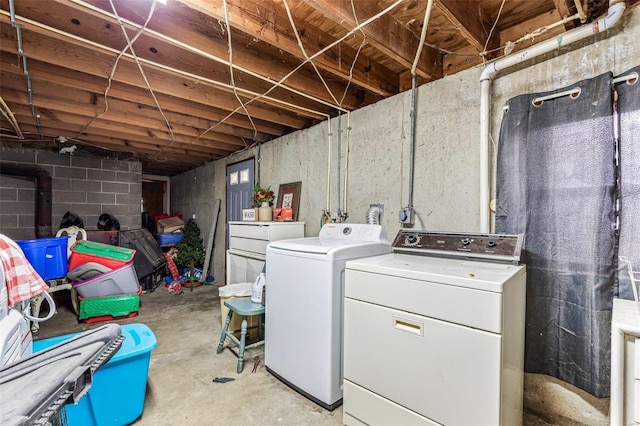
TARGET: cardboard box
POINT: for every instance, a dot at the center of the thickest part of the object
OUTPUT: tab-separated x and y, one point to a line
168	225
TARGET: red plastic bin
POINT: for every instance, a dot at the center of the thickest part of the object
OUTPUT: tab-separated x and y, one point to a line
105	254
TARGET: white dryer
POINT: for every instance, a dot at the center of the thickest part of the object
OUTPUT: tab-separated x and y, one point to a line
434	332
304	306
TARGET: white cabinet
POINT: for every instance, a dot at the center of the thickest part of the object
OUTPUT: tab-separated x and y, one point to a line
248	246
625	363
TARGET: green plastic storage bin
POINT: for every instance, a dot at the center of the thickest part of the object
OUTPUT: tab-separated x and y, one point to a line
109	306
104	254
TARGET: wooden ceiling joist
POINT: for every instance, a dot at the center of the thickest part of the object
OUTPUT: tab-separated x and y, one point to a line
164	32
54	97
93	62
267	23
389	36
70	79
468	18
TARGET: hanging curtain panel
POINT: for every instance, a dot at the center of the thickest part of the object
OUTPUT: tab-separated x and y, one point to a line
629	120
555	183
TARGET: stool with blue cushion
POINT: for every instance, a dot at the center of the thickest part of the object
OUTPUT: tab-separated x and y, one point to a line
245	307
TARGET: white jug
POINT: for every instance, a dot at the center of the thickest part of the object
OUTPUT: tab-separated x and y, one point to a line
256	289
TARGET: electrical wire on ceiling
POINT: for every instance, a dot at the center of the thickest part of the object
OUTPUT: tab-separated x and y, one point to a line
486	43
320	52
233	83
142	73
174	71
355	59
234	88
423	36
304	52
246	92
177	71
115	65
8	115
197	51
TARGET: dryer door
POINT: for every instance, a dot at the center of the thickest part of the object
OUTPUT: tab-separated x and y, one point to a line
443	371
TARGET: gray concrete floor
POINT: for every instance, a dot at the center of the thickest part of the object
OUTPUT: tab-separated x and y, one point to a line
180	389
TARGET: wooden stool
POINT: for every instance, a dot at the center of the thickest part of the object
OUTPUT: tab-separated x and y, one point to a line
245	307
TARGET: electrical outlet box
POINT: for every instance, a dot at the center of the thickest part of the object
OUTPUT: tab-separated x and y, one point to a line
405	216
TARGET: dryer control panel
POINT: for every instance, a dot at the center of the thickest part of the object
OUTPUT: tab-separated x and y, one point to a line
496	247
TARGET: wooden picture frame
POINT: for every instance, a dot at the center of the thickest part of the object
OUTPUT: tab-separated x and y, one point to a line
289	196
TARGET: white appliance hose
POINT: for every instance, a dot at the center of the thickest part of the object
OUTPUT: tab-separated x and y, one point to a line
52	309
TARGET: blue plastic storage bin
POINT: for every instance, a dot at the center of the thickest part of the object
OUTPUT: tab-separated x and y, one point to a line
169	239
116	396
48	256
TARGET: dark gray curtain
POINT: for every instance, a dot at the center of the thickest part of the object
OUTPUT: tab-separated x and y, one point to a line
555	183
629	120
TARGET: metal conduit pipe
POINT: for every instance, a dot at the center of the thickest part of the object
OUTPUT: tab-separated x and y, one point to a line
616	9
412	142
43	217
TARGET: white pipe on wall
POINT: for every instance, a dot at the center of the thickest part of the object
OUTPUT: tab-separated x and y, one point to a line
616	9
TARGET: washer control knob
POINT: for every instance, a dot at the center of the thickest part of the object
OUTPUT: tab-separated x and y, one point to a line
491	244
465	242
412	240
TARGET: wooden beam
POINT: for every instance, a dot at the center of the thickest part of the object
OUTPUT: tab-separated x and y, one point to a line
179	155
71	79
563	8
453	64
190	32
142	144
515	32
65	110
133	127
91	105
467	17
94	62
387	35
267	21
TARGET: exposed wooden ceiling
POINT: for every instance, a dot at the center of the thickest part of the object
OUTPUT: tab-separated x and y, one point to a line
179	84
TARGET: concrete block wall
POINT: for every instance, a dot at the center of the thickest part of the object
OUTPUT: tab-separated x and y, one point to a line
87	186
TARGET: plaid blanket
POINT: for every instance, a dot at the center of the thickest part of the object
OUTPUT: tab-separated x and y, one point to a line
22	281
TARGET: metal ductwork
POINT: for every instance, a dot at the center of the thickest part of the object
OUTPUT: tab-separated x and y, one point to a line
42	177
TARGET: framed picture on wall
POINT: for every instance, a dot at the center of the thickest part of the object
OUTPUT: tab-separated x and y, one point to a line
289	197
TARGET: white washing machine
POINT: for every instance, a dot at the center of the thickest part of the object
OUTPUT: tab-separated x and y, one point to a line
304	305
434	332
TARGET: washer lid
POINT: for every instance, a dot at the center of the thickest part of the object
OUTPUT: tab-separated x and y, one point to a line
330	248
339	237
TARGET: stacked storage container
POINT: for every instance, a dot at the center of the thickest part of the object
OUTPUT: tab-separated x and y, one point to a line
105	280
169	231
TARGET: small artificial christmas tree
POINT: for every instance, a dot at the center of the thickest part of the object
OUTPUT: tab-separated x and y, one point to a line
190	248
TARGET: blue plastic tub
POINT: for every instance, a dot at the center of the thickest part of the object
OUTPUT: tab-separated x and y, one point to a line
48	256
116	396
169	239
